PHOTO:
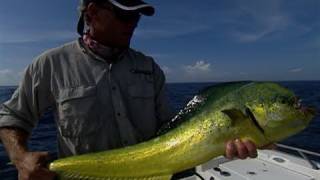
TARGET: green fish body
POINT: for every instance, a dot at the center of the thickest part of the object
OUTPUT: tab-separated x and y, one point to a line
261	112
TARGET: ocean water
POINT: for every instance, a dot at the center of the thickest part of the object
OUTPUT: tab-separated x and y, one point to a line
44	136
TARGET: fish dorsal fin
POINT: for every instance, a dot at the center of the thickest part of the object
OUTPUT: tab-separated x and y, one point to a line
190	109
235	114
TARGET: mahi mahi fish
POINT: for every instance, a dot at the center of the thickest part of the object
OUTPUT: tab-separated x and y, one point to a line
262	112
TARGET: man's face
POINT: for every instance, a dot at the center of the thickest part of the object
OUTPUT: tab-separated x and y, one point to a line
112	26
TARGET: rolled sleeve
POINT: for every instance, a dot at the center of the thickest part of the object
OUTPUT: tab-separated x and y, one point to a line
11	121
28	102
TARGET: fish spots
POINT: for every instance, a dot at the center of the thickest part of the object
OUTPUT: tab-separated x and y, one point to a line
173	142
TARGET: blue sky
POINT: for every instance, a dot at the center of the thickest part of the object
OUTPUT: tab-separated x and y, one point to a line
193	41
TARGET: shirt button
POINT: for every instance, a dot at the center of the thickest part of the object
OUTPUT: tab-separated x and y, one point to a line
114	88
118	114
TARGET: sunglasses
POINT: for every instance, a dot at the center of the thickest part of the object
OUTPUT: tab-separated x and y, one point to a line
122	15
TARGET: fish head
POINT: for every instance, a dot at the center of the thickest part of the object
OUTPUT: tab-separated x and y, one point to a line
278	112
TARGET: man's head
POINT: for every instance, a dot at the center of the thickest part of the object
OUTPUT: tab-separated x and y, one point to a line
112	22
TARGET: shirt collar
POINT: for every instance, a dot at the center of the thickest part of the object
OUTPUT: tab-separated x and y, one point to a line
106	53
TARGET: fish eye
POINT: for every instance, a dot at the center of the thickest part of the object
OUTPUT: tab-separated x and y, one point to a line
293	100
282	99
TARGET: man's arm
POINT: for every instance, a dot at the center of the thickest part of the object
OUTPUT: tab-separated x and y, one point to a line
20	114
15	142
30	165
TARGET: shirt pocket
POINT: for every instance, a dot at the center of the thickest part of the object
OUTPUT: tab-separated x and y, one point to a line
141	90
142	108
78	116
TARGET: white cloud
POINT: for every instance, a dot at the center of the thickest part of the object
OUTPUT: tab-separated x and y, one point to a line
198	67
262	27
296	70
166	70
199	71
250	37
251	22
244	73
10	77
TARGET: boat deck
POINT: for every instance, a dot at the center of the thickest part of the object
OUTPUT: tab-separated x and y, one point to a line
269	165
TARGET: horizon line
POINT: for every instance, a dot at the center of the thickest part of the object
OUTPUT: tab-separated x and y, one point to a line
185	82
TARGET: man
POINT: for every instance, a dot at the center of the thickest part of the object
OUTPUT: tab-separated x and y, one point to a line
104	94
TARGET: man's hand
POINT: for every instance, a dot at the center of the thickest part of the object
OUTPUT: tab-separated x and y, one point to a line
32	166
240	149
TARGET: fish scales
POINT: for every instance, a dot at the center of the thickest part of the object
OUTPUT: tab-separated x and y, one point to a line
248	110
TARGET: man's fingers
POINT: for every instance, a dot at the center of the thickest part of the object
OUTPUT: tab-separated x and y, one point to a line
251	147
34	167
241	149
46	174
231	150
44	158
269	146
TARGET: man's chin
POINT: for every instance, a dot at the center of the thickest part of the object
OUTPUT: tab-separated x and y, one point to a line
123	45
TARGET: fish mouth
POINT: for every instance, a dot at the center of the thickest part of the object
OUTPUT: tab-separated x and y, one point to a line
308	110
298	104
254	120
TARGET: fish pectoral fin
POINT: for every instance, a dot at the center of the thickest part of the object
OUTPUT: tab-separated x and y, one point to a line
235	114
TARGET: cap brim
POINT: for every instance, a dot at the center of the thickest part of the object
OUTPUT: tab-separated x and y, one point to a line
137	5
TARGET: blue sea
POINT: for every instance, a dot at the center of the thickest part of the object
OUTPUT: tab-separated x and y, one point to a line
44	136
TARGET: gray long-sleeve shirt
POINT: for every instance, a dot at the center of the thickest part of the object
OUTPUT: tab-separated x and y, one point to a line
97	105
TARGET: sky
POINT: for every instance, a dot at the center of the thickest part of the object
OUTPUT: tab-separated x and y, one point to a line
191	40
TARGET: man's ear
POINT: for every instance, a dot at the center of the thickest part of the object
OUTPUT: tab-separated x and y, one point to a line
91	12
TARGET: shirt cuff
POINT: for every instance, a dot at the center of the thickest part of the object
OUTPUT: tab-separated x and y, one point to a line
11	121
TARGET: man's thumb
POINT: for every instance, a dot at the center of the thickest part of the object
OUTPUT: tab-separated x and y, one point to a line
44	158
